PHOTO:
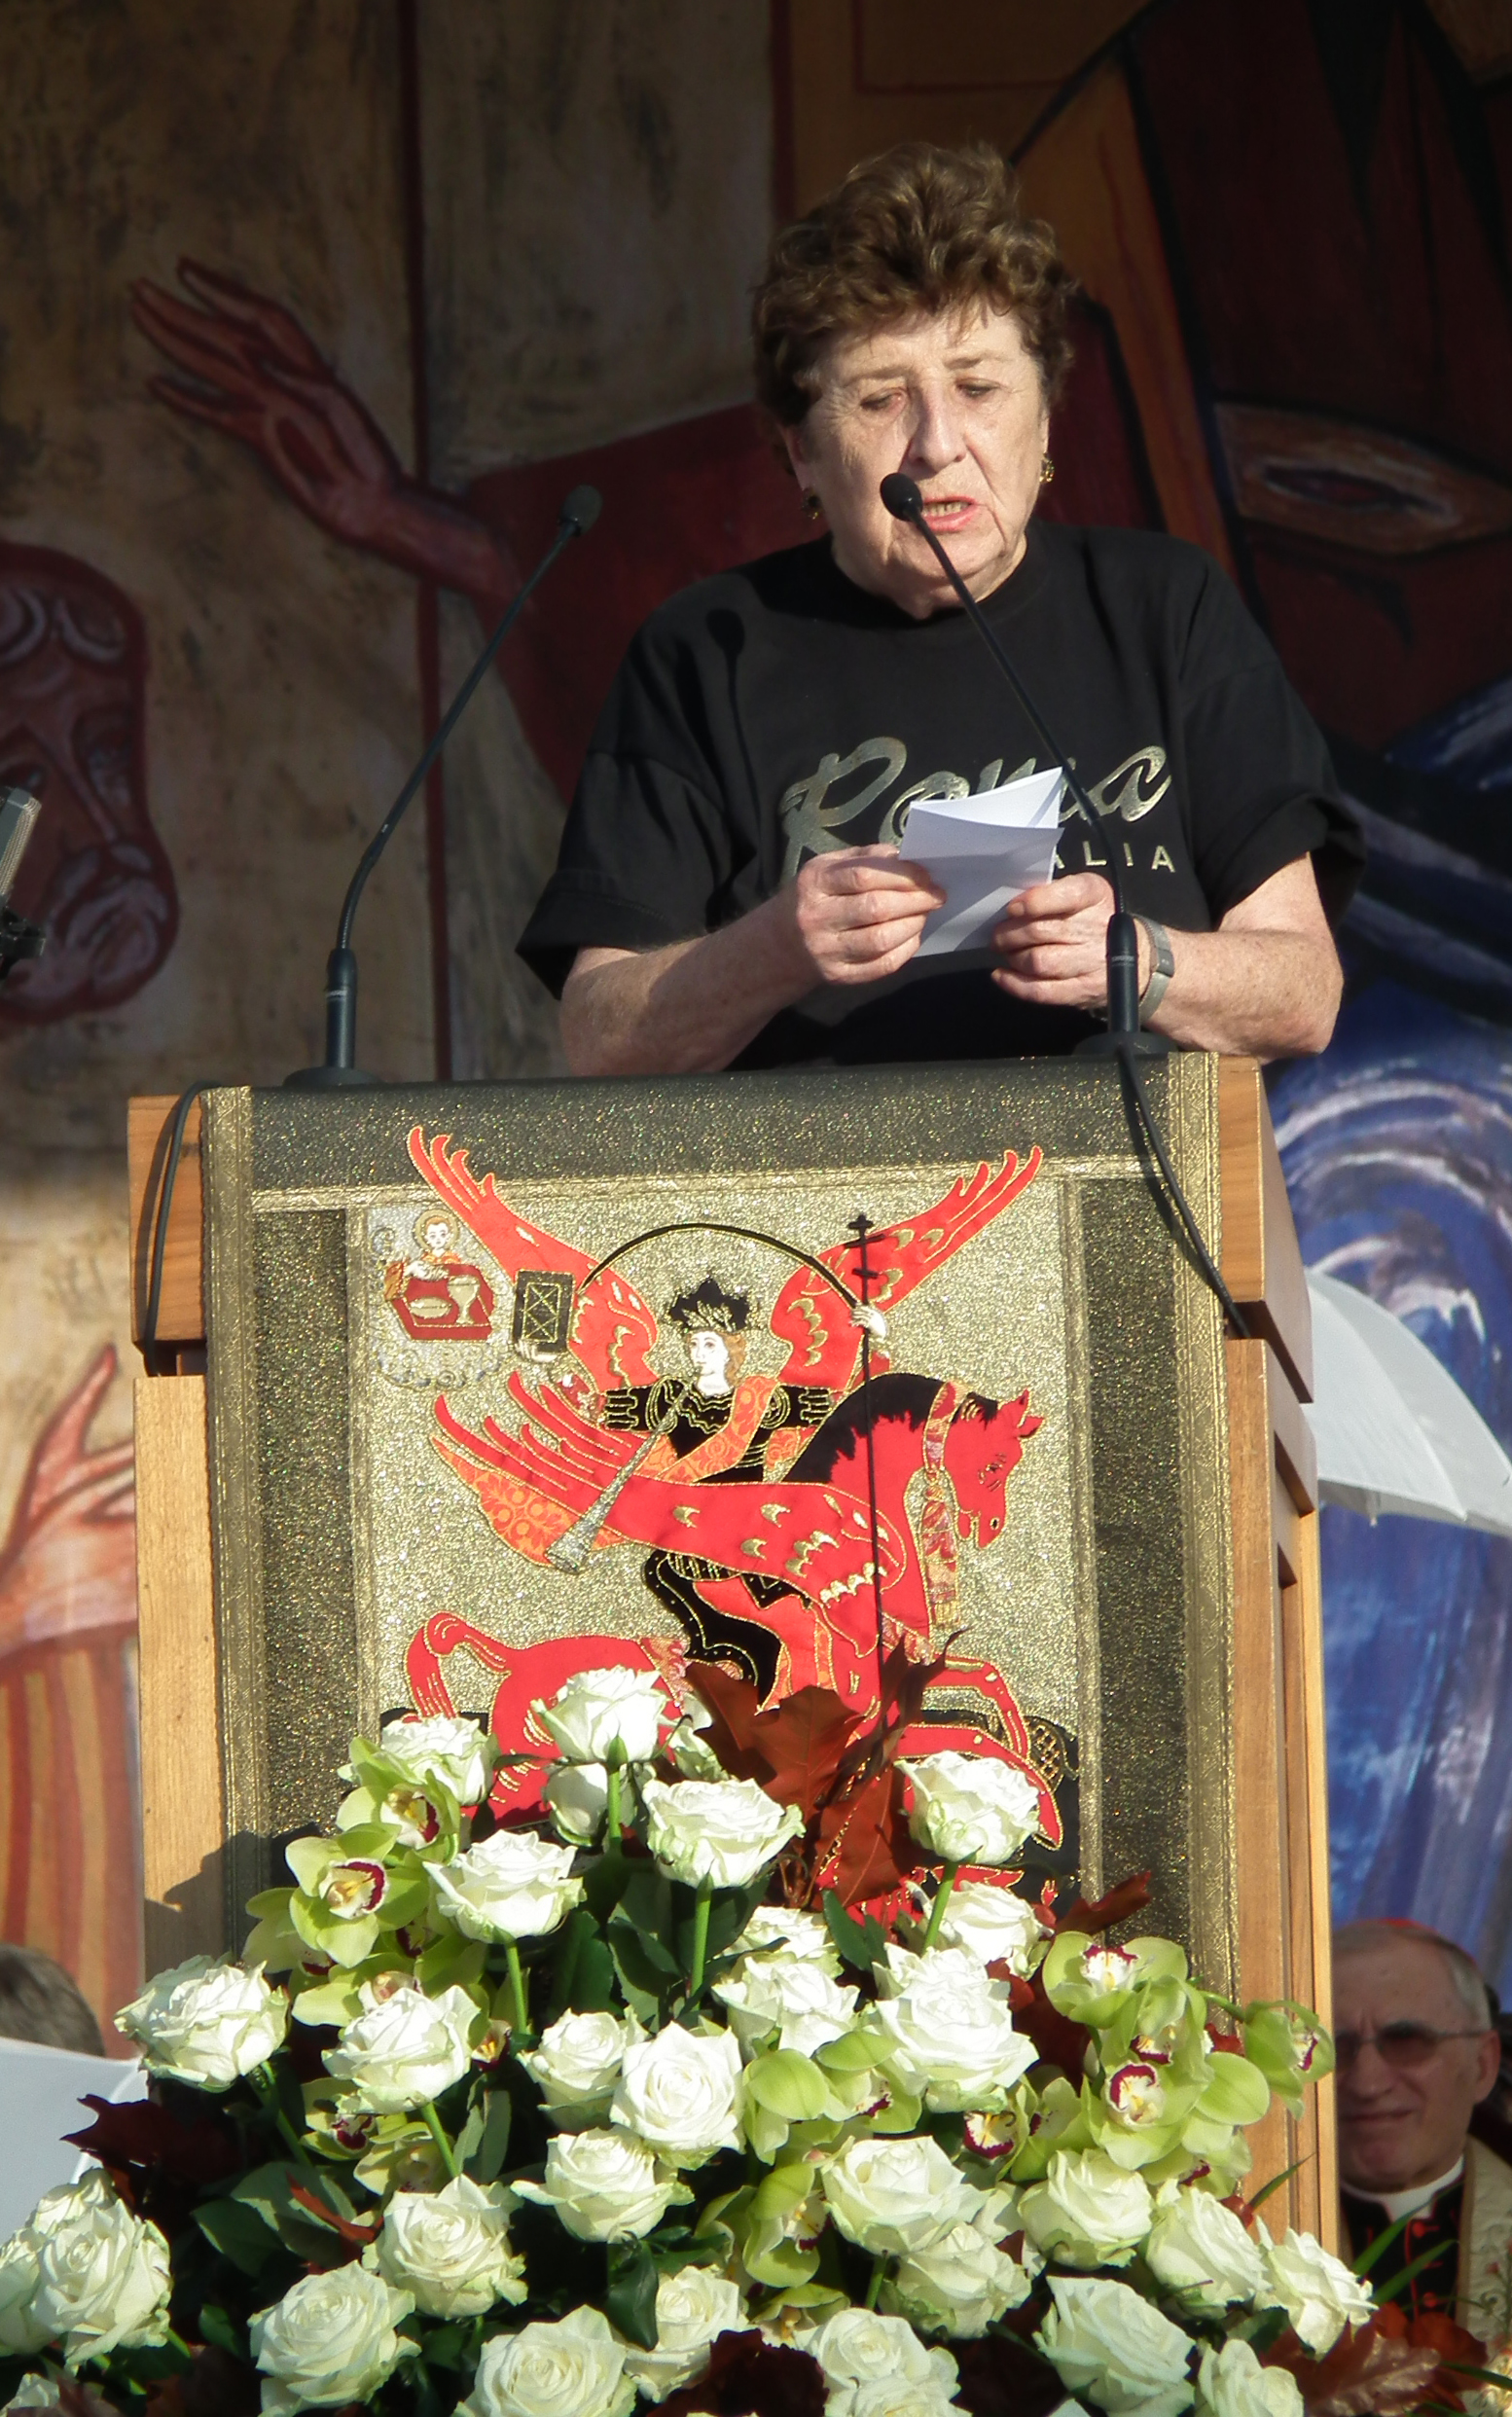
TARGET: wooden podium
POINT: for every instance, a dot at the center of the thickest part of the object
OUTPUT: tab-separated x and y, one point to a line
1278	1750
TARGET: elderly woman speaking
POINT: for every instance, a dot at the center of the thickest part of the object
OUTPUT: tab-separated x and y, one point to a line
730	891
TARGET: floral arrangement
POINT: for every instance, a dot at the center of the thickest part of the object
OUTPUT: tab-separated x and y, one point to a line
734	2077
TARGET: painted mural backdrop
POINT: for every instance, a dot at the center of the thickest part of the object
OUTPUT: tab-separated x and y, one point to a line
317	315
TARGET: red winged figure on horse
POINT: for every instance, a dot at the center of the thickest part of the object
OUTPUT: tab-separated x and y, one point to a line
777	1514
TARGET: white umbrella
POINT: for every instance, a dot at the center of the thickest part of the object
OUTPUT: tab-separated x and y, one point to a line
1393	1430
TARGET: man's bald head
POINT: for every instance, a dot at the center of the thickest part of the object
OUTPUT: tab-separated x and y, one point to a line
1417	2053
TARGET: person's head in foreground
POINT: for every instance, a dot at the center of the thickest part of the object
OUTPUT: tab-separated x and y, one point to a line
1417	2052
42	2003
915	322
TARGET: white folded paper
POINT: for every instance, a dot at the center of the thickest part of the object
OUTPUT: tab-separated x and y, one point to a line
983	851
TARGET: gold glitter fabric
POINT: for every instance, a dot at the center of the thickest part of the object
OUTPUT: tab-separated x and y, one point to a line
509	1378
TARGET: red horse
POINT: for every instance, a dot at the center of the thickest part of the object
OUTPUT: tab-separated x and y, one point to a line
787	1541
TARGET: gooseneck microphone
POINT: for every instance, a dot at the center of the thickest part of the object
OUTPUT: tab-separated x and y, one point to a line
340	1069
1124	1038
901	495
18	939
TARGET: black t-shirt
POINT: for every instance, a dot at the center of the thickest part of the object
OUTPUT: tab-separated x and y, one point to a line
778	710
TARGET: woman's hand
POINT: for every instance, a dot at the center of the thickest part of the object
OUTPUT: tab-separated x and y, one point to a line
1266	983
1053	943
858	914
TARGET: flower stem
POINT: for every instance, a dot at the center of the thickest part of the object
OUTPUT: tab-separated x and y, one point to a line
700	1938
516	1991
264	2082
879	2269
941	1898
612	1831
448	2153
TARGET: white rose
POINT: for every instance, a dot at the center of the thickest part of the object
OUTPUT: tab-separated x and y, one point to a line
892	2396
797	2000
514	1885
693	2308
449	2249
1318	2292
404	2049
19	2332
997	1926
859	2350
330	2339
801	1939
1230	2382
457	1752
950	2032
895	2198
604	2185
36	2391
577	2065
971	1808
572	2369
102	2274
1088	2211
1103	2339
959	2285
691	1753
577	1797
723	1831
678	2093
206	2021
1198	2247
600	1709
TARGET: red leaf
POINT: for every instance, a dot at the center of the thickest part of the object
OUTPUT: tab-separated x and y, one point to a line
361	2234
142	2133
734	1706
748	2377
1130	1897
1372	2372
868	1839
803	1738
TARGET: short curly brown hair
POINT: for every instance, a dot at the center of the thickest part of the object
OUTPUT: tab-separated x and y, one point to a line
918	229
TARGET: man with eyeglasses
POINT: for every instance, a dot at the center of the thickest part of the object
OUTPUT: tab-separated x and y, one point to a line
1417	2052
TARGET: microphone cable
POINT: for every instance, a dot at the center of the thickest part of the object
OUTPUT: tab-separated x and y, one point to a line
1125	1042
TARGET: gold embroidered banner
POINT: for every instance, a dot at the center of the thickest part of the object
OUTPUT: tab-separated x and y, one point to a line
783	1372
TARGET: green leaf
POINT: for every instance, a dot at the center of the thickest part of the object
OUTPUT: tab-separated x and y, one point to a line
631	2299
222	2331
643	1960
593	1983
788	2085
446	2344
861	1943
482	2159
1377	2248
647	1905
1279	2183
241	2232
1409	2274
574	1933
605	1882
729	1911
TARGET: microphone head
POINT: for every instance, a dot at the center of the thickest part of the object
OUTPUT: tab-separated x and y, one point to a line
900	493
581	510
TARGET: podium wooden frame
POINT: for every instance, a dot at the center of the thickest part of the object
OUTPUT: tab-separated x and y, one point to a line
1277	1745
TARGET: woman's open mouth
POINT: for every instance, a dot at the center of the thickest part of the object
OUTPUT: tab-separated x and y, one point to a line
946	512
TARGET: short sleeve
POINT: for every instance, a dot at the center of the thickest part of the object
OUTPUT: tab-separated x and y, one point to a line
654	850
1262	786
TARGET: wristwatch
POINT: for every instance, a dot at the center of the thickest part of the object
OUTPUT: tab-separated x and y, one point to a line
1162	966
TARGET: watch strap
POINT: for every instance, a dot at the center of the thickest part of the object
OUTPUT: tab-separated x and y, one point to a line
1163	965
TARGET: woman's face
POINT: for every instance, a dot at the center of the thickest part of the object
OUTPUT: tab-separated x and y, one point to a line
957	403
709	1353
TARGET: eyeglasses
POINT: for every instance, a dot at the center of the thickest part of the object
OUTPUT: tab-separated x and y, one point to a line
1402	2045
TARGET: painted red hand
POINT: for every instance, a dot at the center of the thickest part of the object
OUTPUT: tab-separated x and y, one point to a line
68	1564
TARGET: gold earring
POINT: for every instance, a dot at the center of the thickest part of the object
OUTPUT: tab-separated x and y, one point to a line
813	510
1047	470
